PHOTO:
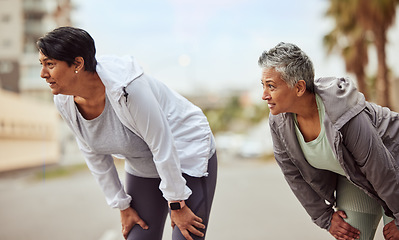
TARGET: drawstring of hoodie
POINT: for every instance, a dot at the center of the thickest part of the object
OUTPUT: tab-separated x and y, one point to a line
125	93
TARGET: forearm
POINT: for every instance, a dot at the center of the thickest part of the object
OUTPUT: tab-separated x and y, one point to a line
104	171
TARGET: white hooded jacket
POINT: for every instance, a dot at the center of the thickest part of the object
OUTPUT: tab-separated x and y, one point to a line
176	131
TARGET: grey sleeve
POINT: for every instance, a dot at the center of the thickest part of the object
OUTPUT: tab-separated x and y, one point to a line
373	159
316	206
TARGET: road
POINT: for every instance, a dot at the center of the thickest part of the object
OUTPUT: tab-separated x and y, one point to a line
252	202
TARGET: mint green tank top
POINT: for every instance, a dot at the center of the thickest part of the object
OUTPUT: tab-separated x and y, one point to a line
318	152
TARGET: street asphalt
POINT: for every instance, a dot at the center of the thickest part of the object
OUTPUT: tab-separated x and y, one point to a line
252	202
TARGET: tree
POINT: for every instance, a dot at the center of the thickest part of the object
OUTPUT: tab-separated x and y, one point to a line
377	16
354	19
349	39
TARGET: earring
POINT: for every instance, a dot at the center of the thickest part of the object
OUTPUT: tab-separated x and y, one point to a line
76	71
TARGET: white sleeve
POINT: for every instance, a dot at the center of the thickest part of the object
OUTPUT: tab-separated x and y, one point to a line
104	171
152	125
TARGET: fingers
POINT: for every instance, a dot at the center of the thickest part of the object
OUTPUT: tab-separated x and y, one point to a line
198	225
142	224
342	214
391	231
126	230
386	231
349	230
198	219
186	235
193	227
342	230
193	230
197	222
344	235
348	233
187	222
129	218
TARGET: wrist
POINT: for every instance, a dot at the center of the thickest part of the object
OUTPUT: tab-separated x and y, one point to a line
124	209
176	205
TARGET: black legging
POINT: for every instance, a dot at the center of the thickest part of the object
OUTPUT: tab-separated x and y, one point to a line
153	209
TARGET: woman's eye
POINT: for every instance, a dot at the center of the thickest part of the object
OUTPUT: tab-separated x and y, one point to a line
267	85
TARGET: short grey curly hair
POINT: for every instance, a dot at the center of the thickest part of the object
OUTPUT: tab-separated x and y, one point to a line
291	62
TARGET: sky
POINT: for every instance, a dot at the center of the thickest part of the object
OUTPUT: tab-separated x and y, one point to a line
211	45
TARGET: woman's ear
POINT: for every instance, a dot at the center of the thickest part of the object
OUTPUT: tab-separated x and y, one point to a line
79	64
300	87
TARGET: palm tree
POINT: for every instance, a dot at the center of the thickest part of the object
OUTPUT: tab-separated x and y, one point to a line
349	39
377	16
354	19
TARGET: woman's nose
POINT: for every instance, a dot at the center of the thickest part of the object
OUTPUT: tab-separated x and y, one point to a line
266	95
44	73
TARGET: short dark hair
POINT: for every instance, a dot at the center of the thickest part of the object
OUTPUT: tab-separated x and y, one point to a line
67	43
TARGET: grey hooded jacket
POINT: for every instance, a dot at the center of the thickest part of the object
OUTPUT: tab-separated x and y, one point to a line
364	138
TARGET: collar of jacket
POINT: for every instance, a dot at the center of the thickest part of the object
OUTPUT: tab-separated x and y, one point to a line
341	99
116	73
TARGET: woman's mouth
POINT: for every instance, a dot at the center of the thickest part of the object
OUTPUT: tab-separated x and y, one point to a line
51	84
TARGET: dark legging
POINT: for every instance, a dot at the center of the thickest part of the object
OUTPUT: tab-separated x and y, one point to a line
153	209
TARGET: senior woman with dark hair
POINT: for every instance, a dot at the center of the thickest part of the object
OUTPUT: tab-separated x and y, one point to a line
113	107
338	152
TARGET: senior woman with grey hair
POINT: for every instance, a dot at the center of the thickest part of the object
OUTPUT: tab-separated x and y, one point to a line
338	152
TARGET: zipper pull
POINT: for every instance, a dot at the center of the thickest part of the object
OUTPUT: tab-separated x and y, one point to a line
125	93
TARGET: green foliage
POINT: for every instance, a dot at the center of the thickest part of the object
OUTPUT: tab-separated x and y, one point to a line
358	25
59	171
235	116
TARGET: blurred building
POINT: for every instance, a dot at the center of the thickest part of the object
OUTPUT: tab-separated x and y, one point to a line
22	22
28	125
28	132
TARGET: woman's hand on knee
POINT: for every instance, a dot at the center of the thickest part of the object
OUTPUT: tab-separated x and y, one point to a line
187	222
391	231
342	230
129	218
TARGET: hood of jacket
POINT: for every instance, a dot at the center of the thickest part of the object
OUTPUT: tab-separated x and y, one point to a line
341	99
116	73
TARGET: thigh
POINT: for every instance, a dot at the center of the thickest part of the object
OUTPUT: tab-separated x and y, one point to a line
200	201
148	201
363	212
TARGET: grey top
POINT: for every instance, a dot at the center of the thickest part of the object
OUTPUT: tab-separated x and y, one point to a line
106	134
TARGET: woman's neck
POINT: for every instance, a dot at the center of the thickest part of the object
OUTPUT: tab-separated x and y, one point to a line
90	97
91	88
308	118
307	107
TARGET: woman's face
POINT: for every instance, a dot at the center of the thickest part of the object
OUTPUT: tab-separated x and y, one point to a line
60	77
279	96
